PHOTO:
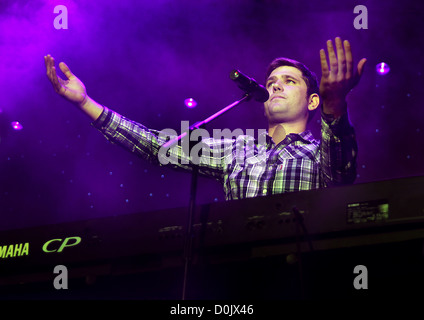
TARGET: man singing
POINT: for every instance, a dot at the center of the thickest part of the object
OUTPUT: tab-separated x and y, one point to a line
287	159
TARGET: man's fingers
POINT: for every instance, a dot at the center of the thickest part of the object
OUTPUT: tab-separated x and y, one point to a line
56	81
341	58
349	59
339	74
358	74
66	71
49	62
332	58
53	76
361	65
324	64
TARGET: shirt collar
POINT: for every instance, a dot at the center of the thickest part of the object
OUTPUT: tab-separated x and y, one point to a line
305	136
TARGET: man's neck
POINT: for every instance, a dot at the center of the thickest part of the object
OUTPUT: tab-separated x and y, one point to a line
278	131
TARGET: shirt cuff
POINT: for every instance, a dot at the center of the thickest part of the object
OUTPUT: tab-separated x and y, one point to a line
103	120
340	125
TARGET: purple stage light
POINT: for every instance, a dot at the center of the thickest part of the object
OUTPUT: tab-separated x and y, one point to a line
190	103
16	125
382	68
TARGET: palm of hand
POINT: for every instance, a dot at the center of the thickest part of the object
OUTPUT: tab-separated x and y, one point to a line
72	88
338	76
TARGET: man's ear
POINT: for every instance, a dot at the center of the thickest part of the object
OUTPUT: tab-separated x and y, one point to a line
314	101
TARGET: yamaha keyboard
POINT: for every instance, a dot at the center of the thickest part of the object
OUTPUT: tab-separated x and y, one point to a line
380	212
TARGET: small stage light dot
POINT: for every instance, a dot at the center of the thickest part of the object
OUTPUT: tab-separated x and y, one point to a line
190	103
16	125
382	68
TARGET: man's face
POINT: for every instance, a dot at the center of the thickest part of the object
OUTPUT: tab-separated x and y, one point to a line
288	101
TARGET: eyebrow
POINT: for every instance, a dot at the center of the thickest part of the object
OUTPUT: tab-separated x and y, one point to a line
283	76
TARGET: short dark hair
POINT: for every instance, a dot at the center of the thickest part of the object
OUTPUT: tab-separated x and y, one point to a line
308	76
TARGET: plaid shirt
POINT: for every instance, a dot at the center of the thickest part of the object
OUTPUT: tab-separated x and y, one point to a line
249	167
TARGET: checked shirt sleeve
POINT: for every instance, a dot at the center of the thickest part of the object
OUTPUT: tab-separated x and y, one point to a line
338	151
147	144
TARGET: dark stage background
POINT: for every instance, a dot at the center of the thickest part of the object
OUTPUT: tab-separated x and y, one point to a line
144	58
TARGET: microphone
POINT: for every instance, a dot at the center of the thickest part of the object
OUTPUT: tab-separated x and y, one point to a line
249	85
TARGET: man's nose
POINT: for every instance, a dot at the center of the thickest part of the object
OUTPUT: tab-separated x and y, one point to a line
277	86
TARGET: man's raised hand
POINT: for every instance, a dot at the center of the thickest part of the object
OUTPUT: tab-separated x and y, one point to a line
338	76
72	88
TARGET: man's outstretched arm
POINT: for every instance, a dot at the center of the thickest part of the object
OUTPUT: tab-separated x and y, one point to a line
133	136
338	142
72	89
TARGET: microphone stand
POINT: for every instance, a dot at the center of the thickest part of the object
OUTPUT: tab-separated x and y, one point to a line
188	245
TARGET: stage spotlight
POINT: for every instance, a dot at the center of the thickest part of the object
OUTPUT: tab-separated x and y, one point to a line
190	103
16	125
382	68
